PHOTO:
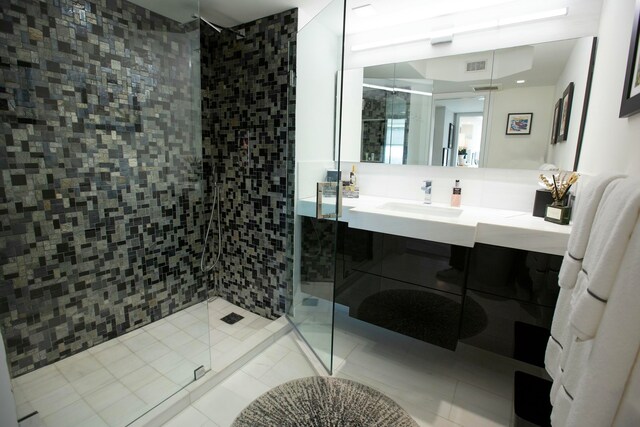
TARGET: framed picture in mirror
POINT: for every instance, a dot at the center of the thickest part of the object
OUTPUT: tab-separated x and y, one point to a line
567	99
631	91
555	125
519	123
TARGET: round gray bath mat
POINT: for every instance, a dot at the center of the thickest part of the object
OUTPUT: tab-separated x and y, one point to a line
323	402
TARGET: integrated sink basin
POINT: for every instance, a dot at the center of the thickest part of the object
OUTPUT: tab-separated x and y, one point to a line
421	209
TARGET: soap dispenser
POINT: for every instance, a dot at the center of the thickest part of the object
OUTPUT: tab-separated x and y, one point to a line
427	191
456	196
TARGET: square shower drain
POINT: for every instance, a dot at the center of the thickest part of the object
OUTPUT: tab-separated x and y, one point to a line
310	302
232	318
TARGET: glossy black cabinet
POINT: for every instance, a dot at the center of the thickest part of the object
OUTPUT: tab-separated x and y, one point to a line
410	286
517	291
499	299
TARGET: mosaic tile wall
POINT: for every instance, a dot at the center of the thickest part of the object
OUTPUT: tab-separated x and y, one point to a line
377	107
247	137
100	152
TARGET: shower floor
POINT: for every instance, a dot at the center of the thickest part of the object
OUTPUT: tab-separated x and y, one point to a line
115	382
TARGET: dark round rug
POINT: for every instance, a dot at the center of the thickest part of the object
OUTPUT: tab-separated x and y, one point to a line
424	315
323	402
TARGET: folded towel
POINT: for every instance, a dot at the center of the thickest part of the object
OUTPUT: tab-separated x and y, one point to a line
561	332
561	408
558	338
629	410
614	222
569	271
611	359
585	210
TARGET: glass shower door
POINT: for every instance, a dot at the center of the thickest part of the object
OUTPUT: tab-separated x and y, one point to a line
318	97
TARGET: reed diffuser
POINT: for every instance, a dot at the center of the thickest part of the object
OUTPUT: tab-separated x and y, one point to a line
559	185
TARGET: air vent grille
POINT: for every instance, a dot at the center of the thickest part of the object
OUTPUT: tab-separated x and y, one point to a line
476	66
485	88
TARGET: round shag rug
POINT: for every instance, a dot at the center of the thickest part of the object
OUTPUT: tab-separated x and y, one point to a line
323	402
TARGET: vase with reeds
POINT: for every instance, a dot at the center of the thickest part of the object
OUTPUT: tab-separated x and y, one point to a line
559	211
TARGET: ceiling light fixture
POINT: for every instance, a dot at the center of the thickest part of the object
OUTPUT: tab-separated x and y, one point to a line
396	89
503	22
520	81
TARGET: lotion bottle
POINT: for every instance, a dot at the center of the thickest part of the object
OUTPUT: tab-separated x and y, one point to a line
457	195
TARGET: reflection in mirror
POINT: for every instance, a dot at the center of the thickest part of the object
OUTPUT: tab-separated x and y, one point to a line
453	111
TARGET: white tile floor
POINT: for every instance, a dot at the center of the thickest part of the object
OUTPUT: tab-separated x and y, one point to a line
115	382
469	388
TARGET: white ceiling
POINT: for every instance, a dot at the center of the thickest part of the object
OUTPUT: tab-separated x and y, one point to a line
229	13
386	13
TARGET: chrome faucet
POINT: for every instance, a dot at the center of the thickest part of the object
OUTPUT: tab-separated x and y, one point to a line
427	191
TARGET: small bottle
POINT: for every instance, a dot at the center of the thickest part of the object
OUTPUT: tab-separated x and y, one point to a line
457	195
353	178
427	192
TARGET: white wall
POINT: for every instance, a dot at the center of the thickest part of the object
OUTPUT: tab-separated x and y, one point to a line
563	153
8	415
493	188
419	129
317	87
351	139
519	151
611	144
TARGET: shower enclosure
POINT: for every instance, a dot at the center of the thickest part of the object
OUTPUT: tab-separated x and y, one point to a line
103	302
318	94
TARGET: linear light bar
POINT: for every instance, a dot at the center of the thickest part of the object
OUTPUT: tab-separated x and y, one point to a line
503	22
531	17
396	89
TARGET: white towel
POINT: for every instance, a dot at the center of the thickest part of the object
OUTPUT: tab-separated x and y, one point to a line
612	228
558	338
585	210
610	361
629	411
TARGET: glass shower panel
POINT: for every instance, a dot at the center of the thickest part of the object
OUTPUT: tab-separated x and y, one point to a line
169	190
318	105
101	156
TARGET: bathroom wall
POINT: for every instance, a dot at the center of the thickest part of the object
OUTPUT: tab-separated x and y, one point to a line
611	144
519	151
510	189
101	161
247	142
563	153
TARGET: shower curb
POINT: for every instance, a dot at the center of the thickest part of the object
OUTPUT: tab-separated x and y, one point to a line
181	400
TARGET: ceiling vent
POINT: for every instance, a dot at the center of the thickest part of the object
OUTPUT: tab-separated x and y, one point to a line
476	66
486	88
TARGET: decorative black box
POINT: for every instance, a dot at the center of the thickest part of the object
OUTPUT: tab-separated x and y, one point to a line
542	200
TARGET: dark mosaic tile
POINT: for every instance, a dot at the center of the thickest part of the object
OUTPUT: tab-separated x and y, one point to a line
248	143
100	196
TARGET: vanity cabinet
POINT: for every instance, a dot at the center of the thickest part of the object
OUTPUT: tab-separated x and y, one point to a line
517	290
411	286
499	299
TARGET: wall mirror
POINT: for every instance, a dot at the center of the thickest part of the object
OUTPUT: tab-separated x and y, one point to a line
498	109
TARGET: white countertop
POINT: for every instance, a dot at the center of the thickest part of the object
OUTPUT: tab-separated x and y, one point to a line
506	228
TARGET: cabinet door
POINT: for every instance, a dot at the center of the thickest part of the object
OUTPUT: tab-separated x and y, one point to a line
419	312
489	322
435	265
526	276
362	251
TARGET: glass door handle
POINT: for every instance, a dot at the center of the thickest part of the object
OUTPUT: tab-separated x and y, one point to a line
333	189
